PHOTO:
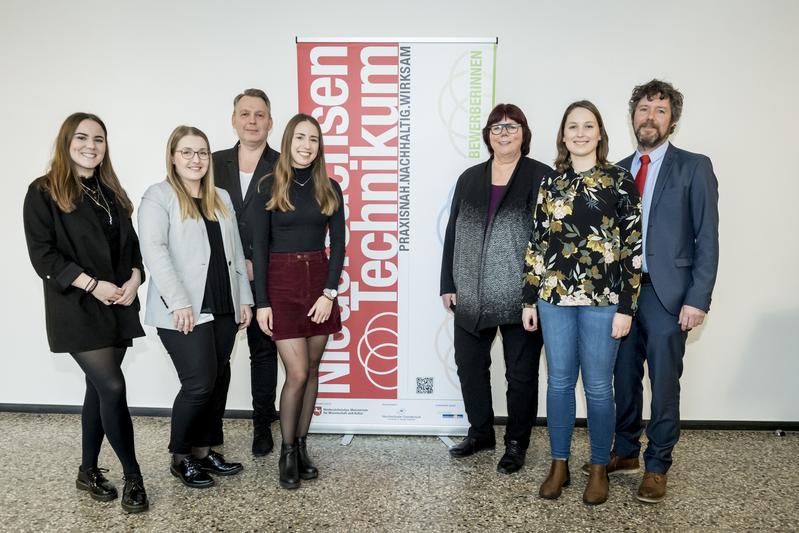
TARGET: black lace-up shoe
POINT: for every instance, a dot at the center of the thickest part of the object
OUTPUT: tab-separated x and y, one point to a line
513	459
190	472
214	463
134	497
262	442
98	487
469	446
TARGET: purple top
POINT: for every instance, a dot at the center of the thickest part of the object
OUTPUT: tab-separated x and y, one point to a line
496	195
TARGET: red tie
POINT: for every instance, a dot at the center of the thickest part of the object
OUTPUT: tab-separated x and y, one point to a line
640	177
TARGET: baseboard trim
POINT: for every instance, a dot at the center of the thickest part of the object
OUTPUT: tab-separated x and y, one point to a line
722	425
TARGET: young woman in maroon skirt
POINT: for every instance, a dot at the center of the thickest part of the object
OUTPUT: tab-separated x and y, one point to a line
295	282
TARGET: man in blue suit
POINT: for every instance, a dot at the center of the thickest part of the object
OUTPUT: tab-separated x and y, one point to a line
679	193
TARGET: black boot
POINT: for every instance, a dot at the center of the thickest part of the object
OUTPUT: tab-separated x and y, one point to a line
305	465
134	497
93	481
289	477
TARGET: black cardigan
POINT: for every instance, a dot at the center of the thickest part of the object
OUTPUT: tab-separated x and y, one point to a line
484	266
63	245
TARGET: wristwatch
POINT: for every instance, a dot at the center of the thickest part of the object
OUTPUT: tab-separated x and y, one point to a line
330	294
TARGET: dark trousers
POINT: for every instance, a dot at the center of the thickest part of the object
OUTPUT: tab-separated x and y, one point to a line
655	338
200	359
263	375
522	352
263	383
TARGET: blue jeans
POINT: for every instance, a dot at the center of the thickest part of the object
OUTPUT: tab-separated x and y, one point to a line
579	338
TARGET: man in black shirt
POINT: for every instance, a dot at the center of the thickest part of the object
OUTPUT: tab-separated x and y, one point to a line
238	171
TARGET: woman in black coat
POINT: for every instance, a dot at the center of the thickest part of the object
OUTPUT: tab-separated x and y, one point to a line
481	282
82	244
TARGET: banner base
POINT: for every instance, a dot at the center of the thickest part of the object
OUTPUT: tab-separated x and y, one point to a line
371	429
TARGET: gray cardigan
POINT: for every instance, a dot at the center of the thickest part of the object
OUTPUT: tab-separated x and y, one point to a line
483	265
176	253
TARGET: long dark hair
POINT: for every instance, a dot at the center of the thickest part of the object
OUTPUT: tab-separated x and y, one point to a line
324	193
564	159
63	183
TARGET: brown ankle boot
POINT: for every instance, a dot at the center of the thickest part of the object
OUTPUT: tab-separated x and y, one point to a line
557	479
596	491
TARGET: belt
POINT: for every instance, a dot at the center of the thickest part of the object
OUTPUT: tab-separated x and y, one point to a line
645	279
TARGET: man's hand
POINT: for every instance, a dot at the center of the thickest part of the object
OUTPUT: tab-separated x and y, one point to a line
690	317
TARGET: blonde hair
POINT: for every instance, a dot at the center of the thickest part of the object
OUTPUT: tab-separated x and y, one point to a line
63	184
210	202
324	193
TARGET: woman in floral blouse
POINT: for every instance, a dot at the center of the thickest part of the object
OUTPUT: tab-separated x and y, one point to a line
582	274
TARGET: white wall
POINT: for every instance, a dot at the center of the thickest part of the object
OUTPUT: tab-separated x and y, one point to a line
147	66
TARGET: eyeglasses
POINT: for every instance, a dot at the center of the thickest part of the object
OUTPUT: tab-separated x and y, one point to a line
496	129
188	153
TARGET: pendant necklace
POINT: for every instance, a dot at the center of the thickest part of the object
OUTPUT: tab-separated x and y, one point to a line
304	183
96	196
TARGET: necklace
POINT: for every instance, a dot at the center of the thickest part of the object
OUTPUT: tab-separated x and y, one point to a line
303	183
96	196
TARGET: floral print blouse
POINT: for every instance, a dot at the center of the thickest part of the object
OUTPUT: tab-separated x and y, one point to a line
585	247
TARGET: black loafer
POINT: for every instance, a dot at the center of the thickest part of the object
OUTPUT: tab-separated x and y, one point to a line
190	472
262	442
469	446
513	459
98	487
134	497
215	464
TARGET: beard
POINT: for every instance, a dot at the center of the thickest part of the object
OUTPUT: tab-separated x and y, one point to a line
652	140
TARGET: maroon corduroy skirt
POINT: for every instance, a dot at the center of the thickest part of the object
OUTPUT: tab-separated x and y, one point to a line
296	281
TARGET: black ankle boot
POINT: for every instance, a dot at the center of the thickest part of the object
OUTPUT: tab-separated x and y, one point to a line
305	466
93	481
289	477
134	497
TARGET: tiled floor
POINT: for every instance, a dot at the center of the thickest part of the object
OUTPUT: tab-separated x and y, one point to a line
722	480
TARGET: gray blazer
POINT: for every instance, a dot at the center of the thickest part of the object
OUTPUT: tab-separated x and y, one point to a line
176	253
682	241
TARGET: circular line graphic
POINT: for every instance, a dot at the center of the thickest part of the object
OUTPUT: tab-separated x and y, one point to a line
373	352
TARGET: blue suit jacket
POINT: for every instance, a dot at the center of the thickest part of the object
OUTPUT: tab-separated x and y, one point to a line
682	242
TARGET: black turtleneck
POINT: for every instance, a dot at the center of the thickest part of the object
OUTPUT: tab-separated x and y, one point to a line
301	230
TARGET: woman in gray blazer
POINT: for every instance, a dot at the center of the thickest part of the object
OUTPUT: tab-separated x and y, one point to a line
198	297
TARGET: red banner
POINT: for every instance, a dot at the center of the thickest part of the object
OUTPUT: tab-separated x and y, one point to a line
352	89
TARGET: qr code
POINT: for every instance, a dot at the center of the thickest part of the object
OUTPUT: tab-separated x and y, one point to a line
424	385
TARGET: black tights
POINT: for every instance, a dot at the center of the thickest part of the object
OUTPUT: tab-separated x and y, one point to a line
301	357
105	408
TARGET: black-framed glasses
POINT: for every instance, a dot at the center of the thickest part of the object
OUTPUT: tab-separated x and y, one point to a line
496	129
188	153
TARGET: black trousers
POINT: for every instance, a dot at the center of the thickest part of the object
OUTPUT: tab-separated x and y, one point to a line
200	359
522	352
263	374
263	382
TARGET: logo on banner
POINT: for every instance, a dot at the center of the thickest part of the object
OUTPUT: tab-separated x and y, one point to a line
465	100
377	351
317	410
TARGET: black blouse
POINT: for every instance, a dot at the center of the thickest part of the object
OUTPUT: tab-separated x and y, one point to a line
217	299
585	247
302	230
103	202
